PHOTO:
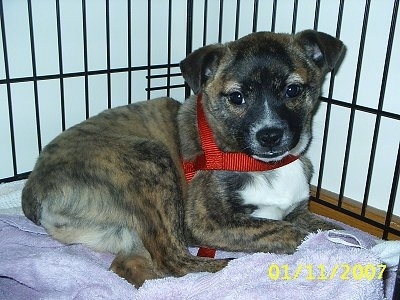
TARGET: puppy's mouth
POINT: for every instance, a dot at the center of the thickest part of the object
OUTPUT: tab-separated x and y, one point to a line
271	156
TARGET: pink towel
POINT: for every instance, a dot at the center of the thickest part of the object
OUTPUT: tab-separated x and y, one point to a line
34	266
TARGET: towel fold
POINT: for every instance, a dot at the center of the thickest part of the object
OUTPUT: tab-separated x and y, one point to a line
10	197
388	252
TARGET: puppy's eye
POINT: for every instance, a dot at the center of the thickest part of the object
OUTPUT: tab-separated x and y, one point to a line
293	90
236	98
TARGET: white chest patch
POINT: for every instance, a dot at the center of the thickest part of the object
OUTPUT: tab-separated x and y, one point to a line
277	197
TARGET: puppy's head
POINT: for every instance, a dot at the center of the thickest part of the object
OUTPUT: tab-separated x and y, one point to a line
259	92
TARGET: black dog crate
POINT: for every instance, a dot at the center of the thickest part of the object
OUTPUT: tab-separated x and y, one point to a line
62	61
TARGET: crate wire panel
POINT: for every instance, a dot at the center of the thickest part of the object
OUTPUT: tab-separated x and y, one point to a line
93	72
379	114
62	61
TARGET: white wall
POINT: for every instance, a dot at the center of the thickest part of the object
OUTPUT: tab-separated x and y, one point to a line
46	50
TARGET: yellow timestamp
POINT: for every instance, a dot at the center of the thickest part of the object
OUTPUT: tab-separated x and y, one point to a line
321	272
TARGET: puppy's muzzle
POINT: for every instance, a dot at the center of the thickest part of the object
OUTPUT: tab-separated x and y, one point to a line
269	137
272	142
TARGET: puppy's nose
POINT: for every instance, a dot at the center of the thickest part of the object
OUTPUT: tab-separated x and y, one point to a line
269	137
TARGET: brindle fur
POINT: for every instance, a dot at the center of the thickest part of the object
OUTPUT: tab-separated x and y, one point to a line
115	182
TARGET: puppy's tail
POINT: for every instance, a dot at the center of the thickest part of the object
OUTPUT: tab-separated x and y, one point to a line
31	206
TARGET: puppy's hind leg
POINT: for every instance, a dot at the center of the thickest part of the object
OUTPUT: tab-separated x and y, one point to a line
155	197
136	269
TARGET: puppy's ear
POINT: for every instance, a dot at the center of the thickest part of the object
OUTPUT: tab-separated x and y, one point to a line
323	49
201	65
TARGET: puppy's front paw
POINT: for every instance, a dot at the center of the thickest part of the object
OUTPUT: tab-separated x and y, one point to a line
290	238
317	224
135	269
329	226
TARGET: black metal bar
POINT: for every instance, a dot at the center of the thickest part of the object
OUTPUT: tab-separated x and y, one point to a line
189	27
392	197
129	37
220	20
255	16
108	54
8	88
34	74
323	149
294	17
189	35
339	19
329	100
88	73
165	75
169	45
85	59
148	48
16	177
274	9
354	101
237	19
158	88
60	65
362	108
316	14
205	20
380	106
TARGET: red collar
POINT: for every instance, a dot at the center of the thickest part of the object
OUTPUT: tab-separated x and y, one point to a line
214	159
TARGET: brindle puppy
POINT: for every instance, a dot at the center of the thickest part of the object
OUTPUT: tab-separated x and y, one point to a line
115	182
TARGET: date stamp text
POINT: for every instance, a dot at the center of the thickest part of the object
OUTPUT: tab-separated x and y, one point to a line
321	272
